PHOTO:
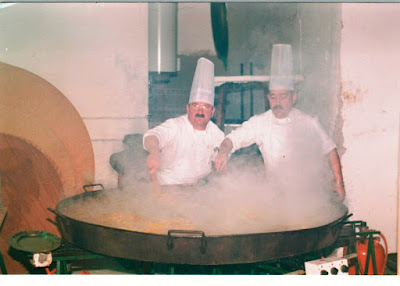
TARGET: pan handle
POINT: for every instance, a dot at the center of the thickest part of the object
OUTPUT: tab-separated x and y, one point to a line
347	217
187	233
92	185
61	217
54	211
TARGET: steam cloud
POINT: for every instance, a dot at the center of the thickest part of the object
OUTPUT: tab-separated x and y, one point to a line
240	202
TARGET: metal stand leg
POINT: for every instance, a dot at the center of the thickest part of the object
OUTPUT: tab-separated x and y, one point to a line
2	265
371	252
62	267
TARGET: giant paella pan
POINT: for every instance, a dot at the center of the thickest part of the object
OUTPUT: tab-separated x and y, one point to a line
104	222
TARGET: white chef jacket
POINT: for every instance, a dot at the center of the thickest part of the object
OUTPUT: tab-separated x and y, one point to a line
186	153
286	144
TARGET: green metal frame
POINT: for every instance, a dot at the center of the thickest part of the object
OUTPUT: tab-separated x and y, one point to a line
3	215
2	265
62	261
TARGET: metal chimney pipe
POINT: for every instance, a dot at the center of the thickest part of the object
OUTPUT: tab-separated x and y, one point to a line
163	23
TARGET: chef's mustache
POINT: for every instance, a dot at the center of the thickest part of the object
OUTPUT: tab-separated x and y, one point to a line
199	115
277	107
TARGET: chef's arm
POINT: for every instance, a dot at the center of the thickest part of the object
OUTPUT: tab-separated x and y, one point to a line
223	155
336	167
152	145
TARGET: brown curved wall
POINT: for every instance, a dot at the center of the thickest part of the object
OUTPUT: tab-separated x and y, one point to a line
46	154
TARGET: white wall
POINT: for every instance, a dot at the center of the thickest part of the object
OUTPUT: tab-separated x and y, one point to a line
96	55
370	68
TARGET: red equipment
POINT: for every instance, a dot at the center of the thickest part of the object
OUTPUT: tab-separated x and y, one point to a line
380	255
370	253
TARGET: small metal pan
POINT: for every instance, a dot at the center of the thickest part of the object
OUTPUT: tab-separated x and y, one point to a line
34	241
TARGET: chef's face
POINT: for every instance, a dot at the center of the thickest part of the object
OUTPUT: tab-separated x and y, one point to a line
199	114
281	102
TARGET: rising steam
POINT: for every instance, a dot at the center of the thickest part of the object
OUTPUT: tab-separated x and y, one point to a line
240	202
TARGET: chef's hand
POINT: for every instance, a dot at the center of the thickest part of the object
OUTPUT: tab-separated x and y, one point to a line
153	162
340	191
221	162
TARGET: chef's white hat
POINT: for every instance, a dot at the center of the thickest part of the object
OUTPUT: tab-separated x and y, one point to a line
203	82
281	68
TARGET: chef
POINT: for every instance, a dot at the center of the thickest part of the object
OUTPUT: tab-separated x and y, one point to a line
293	144
181	149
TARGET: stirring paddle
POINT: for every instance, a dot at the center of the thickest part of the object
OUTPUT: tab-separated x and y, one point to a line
156	186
